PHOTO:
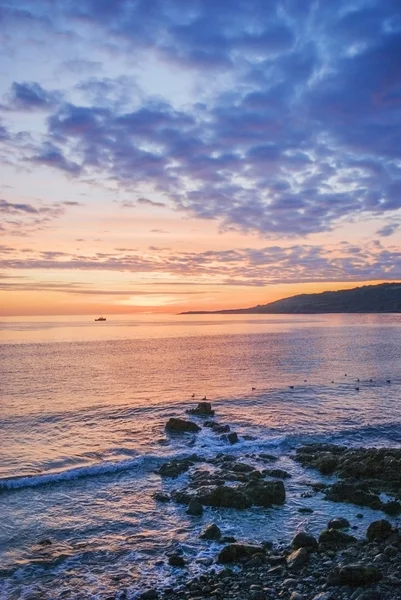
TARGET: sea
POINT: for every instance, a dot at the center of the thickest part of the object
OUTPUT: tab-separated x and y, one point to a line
83	411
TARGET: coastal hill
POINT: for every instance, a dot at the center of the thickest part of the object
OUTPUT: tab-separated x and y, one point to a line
382	298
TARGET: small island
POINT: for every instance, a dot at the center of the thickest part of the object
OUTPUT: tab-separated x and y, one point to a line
382	298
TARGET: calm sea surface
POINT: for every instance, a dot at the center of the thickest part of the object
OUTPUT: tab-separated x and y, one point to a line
83	408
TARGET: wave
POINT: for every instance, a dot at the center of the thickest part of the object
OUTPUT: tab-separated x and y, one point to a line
105	468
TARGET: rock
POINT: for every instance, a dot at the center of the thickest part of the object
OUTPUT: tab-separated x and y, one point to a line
217	427
265	493
195	508
204	409
334	537
356	494
369	595
232	437
390	551
305	510
297	559
258	595
225	497
304	540
149	595
161	497
280	473
379	530
45	542
323	596
358	575
326	463
174	425
176	560
212	532
235	552
338	523
393	507
175	467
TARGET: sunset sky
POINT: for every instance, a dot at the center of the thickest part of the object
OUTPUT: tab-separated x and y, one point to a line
168	155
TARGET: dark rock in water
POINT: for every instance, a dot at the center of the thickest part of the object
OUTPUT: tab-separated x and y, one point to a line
268	457
354	575
338	523
181	426
280	473
305	510
304	540
393	507
297	559
45	542
265	493
235	552
181	496
212	532
175	467
232	437
379	530
161	497
217	427
176	560
195	508
224	497
334	537
349	492
326	464
204	409
149	595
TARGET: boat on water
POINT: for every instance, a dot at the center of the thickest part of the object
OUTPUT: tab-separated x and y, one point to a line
100	319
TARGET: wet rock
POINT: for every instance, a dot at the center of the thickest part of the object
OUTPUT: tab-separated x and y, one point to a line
356	494
305	510
161	497
356	575
175	467
176	560
258	595
195	508
224	497
217	427
174	425
338	523
232	437
392	508
323	596
304	540
204	409
265	493
212	532
297	559
45	542
379	530
280	473
334	537
235	552
149	595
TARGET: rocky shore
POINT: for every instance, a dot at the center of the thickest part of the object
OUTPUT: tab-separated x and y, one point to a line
333	565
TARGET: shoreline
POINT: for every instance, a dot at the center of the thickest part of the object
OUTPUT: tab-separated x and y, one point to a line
334	565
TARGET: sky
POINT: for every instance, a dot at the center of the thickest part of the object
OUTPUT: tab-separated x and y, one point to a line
169	155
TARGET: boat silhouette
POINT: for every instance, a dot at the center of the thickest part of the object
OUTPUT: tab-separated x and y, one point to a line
100	319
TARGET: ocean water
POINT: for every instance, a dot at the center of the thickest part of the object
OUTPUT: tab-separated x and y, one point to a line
83	409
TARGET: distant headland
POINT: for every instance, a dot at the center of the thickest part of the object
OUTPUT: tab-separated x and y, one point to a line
382	298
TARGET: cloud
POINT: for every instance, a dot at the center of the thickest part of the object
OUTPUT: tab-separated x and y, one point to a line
388	229
20	219
31	96
298	263
294	124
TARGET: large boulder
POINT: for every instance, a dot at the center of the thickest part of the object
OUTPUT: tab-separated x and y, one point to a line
334	537
195	508
235	552
379	530
304	540
212	532
355	575
174	425
338	523
204	409
342	491
175	467
223	496
297	559
265	493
